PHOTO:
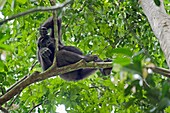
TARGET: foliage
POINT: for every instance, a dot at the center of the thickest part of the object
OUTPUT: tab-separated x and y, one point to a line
118	30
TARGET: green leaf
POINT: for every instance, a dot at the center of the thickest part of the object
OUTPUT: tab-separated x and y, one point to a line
165	102
5	47
167	110
1	66
122	61
106	28
125	51
165	89
128	90
2	76
134	68
22	1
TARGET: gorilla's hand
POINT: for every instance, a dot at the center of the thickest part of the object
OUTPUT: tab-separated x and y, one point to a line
45	52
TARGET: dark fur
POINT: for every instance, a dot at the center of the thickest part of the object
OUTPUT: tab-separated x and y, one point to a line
66	55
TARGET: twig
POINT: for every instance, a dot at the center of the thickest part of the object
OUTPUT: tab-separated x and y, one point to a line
2	90
56	7
34	107
3	109
33	65
20	82
13	100
17	83
42	103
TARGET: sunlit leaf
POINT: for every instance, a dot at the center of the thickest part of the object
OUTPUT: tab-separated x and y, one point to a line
125	51
5	47
122	61
22	1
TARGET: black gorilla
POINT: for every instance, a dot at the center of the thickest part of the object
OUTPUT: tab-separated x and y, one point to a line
65	56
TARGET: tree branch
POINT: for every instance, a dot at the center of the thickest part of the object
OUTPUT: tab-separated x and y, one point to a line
34	107
15	98
56	7
52	71
162	71
55	17
160	23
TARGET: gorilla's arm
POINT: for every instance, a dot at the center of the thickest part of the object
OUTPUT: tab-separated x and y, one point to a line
44	58
49	24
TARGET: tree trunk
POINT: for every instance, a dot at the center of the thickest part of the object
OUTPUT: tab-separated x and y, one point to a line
160	23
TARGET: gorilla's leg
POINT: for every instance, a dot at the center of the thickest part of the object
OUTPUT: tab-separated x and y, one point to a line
66	58
45	57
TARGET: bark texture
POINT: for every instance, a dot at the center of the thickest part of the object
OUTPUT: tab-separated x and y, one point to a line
160	23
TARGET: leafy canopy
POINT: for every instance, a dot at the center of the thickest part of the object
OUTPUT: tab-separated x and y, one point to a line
110	29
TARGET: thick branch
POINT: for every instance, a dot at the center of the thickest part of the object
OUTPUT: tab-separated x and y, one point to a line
52	71
160	24
162	71
58	6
